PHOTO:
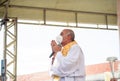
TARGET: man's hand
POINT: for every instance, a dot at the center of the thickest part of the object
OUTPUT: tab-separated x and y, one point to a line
55	47
53	43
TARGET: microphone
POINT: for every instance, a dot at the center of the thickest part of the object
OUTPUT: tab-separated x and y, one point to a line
59	40
51	54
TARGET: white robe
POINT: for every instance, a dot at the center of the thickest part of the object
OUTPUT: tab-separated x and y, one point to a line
70	67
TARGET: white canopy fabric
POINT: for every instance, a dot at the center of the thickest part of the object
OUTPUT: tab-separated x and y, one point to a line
98	12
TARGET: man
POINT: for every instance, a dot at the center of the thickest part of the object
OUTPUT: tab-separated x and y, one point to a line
68	59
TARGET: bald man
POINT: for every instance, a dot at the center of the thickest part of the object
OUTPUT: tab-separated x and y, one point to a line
68	59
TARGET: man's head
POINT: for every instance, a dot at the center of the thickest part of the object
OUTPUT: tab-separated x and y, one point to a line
68	36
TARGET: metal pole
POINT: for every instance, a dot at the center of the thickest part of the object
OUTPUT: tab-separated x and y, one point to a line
111	62
3	61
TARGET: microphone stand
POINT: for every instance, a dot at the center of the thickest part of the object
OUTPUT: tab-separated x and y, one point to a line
111	62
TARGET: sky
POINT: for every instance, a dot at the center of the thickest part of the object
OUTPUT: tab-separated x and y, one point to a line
34	46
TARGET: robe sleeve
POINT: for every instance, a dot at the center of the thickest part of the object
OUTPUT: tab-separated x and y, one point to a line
66	65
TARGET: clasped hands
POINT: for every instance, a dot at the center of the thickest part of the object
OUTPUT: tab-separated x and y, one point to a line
55	47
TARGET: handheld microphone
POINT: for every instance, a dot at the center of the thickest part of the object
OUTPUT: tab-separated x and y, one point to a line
51	54
59	40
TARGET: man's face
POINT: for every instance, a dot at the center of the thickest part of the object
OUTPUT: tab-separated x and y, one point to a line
65	36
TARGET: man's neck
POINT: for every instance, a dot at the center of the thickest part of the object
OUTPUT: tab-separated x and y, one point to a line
67	43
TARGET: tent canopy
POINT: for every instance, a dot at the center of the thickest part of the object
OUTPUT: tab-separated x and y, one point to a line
100	12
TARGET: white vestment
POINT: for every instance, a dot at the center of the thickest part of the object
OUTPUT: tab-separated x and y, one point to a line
70	67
